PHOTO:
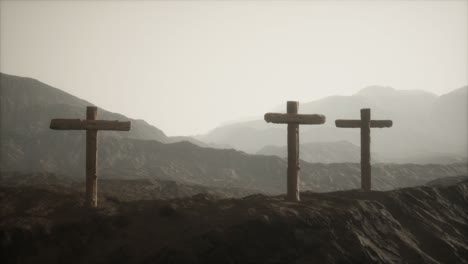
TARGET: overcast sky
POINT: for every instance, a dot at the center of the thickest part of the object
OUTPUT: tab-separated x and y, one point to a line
187	67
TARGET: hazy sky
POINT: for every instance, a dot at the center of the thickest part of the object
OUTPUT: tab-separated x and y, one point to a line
187	67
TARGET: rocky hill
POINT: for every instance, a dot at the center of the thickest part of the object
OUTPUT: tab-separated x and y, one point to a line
413	225
27	106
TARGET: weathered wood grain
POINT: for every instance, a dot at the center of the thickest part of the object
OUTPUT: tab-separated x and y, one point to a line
291	118
293	155
348	123
365	149
91	160
79	124
381	123
354	123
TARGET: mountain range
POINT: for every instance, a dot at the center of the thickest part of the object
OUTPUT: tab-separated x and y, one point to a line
28	146
426	128
321	152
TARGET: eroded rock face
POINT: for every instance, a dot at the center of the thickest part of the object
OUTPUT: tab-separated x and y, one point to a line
412	225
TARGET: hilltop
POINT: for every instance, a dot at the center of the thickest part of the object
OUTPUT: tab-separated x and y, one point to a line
412	225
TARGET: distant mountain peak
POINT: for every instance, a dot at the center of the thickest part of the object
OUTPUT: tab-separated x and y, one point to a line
376	90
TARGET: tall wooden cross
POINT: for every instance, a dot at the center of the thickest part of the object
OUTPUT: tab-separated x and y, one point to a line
91	125
365	125
293	119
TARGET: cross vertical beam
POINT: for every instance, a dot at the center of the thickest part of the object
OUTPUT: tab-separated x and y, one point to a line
365	149
91	160
293	155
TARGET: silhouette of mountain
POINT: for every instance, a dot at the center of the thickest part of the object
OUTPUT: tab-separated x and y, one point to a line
422	123
27	106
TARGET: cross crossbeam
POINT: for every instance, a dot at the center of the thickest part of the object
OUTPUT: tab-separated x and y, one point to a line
80	124
365	124
91	125
293	120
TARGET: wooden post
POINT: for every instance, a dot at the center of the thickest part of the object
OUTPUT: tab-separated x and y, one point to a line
91	160
293	154
365	149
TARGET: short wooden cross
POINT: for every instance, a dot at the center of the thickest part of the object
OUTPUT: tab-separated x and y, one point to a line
365	124
91	125
293	119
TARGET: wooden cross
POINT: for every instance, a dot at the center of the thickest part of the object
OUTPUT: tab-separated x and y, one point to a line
293	119
365	124
91	125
